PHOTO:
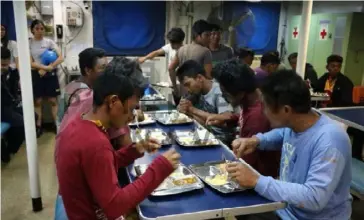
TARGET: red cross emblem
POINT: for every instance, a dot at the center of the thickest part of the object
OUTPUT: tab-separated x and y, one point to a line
323	34
295	32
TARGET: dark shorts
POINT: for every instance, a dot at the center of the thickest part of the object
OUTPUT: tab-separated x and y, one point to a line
46	86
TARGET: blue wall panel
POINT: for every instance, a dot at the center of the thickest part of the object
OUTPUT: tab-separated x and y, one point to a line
129	28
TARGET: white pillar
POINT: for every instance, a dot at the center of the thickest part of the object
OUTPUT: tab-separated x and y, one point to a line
303	37
27	100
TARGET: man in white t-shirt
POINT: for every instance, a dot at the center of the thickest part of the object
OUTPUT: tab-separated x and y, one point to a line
175	37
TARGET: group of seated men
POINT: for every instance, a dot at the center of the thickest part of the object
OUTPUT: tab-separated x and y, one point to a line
303	157
278	131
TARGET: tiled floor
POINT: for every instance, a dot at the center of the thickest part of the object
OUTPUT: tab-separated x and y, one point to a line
15	197
15	192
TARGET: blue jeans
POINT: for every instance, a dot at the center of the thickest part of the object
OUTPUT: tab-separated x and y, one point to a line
60	212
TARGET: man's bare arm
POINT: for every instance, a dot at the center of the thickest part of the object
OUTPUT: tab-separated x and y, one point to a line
151	55
172	71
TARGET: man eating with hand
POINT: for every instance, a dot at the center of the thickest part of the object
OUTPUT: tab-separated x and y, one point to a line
87	164
315	172
204	99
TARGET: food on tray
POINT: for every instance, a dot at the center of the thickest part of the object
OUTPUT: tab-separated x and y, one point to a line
217	180
189	141
156	134
319	94
222	167
178	118
139	115
185	181
138	131
152	97
181	180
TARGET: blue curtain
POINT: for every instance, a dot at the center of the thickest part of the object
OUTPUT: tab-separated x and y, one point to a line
259	30
129	28
7	18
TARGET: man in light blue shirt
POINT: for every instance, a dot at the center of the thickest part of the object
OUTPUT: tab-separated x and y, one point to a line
315	170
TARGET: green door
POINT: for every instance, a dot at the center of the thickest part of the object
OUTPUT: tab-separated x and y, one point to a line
323	28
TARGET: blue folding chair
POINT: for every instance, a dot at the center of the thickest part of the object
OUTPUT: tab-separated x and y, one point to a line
4	127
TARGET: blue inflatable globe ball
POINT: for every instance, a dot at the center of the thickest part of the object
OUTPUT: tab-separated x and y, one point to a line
48	57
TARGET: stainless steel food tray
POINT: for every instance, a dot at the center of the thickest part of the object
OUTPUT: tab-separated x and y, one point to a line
168	187
149	119
180	135
210	169
148	133
164	119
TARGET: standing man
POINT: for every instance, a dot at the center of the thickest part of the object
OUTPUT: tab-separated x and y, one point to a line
238	86
175	36
219	51
315	172
268	64
310	73
197	51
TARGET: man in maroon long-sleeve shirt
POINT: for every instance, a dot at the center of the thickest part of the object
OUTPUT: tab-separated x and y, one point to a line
87	164
238	85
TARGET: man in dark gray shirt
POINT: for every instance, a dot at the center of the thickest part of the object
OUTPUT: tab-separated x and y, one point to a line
219	51
197	51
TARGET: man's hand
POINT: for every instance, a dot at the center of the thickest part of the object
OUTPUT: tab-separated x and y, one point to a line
49	68
173	157
242	174
243	146
184	106
42	72
182	109
216	120
148	145
142	60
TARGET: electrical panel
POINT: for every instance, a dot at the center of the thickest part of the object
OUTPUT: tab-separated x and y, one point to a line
74	16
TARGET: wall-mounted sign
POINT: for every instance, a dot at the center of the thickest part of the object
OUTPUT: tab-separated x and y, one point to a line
324	29
295	32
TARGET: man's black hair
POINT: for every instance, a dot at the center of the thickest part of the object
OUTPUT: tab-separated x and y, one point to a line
235	77
111	84
215	27
88	58
269	58
190	69
176	35
129	68
200	27
292	56
5	53
334	58
274	52
243	52
285	87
